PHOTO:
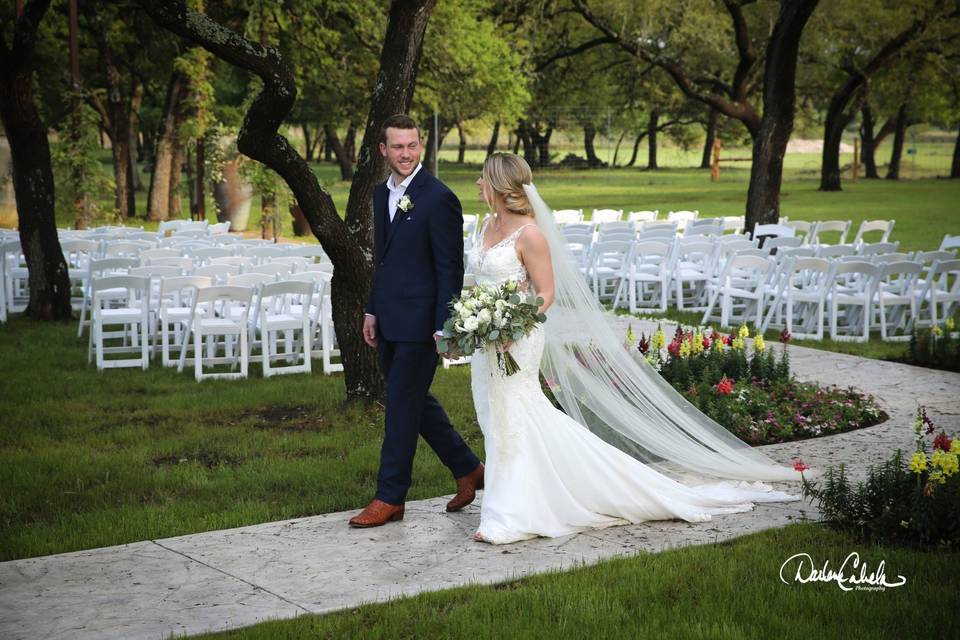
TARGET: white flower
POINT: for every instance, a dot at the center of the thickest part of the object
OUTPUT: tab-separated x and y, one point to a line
471	324
465	313
484	316
405	203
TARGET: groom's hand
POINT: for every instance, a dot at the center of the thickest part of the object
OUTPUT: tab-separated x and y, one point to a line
370	330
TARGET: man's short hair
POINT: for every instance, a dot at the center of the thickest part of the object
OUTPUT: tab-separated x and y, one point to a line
397	121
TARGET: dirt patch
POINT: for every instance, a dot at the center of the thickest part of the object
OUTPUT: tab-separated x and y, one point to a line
209	459
289	419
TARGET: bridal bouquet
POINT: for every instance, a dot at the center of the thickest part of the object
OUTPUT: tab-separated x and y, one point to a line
486	315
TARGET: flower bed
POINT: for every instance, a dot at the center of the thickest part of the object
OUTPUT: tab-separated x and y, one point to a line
936	348
916	503
753	394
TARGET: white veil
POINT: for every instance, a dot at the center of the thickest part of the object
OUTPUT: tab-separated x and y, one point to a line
622	398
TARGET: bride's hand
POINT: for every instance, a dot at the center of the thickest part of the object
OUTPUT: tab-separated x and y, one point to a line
504	345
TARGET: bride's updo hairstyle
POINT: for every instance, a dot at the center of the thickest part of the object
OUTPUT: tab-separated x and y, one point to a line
505	174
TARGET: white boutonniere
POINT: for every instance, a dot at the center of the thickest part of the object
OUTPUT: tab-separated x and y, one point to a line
405	203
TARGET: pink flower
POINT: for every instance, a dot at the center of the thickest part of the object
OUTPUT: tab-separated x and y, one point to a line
674	348
644	345
800	465
706	343
785	336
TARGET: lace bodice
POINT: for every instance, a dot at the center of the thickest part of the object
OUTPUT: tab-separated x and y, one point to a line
500	262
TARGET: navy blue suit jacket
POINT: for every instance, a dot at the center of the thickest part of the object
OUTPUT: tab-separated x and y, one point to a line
419	260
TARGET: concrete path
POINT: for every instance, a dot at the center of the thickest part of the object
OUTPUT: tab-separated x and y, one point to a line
233	578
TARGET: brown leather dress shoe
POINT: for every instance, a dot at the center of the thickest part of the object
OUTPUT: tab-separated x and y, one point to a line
467	487
377	513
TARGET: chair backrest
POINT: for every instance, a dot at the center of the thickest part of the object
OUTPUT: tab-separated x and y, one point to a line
754	252
734	223
765	230
315	250
667	235
148	254
744	263
261	254
709	229
138	287
219	228
830	226
250	279
946	266
115	265
899	277
659	226
836	250
616	231
121	248
155	272
610	253
218	272
271	268
320	280
682	215
207	253
949	242
143	236
887	258
568	216
321	267
238	261
296	262
796	252
577	227
176	285
885	227
877	248
183	264
929	257
601	216
781	241
858	275
228	293
647	215
287	287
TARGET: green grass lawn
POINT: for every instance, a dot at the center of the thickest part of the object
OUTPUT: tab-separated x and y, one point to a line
725	590
89	460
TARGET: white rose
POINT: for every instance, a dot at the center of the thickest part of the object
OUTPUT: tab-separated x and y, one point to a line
471	324
484	316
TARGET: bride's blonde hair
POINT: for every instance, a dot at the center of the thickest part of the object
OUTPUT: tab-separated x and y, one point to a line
505	174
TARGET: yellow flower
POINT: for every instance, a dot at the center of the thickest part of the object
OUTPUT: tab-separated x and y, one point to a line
758	343
737	343
718	345
744	332
937	331
949	324
955	446
919	462
684	348
937	476
697	343
630	337
947	463
657	341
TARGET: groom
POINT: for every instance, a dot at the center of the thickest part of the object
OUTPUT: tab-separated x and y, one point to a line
418	237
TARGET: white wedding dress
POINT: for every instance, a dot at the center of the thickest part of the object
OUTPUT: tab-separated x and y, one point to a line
546	474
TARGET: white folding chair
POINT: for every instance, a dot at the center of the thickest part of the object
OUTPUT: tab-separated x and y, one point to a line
275	269
692	265
885	227
615	231
285	307
175	307
78	253
98	269
219	228
950	243
130	310
647	280
744	279
606	266
808	283
224	314
568	216
16	276
203	255
896	298
830	226
876	248
639	217
682	217
160	252
942	288
601	216
313	251
853	287
241	262
734	224
705	227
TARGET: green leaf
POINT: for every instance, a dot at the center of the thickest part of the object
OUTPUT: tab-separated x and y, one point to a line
493	335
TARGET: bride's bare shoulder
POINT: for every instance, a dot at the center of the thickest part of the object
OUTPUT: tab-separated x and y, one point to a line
532	241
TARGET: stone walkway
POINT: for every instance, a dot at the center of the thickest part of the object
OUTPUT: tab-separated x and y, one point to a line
233	578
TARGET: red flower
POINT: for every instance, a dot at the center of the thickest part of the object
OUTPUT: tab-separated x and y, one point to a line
725	386
674	348
800	465
706	343
785	336
727	340
644	345
942	441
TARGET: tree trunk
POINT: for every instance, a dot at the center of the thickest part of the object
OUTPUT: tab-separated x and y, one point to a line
636	148
462	147
133	169
178	158
589	133
779	98
340	150
159	195
307	142
349	242
492	145
868	143
516	142
32	172
431	158
199	210
616	148
652	139
836	122
541	144
893	171
524	130
955	167
711	131
328	155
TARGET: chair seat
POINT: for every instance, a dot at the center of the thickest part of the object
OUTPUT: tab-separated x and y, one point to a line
123	314
210	325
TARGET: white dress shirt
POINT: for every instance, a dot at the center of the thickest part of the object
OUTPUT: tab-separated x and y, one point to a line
397	190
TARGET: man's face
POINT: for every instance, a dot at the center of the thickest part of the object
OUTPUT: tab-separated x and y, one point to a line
402	151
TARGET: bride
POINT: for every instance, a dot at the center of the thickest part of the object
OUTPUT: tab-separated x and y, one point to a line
594	464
